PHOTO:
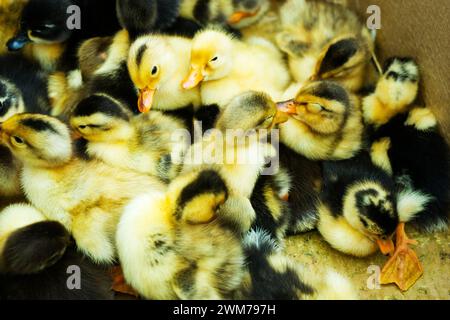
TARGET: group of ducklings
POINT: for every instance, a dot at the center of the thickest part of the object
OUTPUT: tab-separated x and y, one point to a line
103	150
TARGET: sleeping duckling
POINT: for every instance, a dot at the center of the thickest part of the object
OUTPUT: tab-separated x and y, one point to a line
87	197
35	256
234	13
176	245
326	122
144	143
44	24
239	148
157	65
361	206
313	30
226	67
407	143
273	276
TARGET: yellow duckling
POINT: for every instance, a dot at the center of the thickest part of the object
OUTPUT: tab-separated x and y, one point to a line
157	65
87	197
146	143
226	67
175	245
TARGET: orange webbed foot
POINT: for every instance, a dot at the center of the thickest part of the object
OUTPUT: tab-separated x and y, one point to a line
403	268
119	284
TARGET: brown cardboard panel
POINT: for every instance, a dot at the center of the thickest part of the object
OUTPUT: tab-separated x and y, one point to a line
420	29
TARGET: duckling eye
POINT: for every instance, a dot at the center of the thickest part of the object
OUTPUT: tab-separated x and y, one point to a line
82	127
17	141
154	70
315	107
214	59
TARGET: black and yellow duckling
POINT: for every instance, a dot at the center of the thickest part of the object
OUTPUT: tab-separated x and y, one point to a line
87	197
407	143
326	122
361	206
176	245
270	275
233	13
239	148
36	256
325	40
102	70
146	143
46	26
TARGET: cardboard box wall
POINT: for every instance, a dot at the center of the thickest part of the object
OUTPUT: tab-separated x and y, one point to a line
419	29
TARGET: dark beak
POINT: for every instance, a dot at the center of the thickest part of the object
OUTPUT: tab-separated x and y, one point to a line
18	42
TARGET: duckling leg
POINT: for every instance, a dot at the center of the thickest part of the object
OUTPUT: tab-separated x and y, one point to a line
403	268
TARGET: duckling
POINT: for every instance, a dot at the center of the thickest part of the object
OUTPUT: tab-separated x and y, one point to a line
144	143
234	13
176	244
239	148
395	91
226	67
23	87
87	197
361	206
312	35
44	24
157	65
326	122
407	143
273	276
110	76
35	255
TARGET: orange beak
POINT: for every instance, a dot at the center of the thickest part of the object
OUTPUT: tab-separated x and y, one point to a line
386	246
287	107
240	15
193	79
145	101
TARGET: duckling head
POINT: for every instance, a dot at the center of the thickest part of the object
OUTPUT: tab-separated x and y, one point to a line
247	12
211	57
151	64
371	209
100	118
251	111
341	59
323	106
197	196
11	100
37	140
44	22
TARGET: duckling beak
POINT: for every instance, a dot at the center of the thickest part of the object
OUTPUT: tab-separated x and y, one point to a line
18	42
145	101
193	79
287	107
240	15
386	246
